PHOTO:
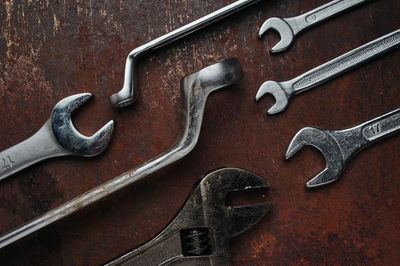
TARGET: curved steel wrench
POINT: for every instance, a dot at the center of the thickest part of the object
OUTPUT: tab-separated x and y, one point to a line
125	96
283	91
195	88
339	146
288	28
57	137
200	232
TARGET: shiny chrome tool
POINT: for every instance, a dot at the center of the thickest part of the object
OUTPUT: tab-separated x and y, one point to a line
283	91
125	96
57	137
288	28
339	146
195	88
200	233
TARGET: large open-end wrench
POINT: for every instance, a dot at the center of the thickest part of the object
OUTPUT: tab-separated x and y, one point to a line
200	233
288	28
57	137
126	95
339	146
195	88
283	91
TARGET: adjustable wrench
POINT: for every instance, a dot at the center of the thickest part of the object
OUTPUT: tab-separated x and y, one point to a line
339	146
57	137
125	96
195	88
288	28
283	91
200	233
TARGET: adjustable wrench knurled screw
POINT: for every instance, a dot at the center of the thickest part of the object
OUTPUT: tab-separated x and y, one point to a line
57	137
200	232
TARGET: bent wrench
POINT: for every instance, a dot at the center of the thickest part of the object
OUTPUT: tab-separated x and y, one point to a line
57	137
125	96
200	232
195	88
283	91
288	28
339	146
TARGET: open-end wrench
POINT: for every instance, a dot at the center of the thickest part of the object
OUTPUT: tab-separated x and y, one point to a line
57	137
288	28
195	88
200	232
339	146
126	95
283	91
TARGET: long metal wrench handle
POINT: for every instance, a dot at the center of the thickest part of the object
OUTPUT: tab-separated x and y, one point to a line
343	63
195	88
368	133
319	14
40	146
125	96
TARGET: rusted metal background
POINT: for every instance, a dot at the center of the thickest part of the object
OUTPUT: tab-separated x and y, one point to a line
52	49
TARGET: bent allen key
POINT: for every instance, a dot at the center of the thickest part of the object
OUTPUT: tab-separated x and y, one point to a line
125	96
57	137
288	28
339	146
195	88
199	234
284	91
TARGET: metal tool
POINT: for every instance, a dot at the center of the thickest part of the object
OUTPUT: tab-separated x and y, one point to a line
288	28
339	146
200	233
125	96
195	88
283	91
57	137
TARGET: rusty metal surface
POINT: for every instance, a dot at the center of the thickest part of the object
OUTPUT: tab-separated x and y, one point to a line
52	49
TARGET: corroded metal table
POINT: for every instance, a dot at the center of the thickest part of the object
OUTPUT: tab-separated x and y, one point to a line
52	49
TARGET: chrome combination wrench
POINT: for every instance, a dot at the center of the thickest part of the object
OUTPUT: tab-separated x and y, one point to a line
284	91
339	146
288	28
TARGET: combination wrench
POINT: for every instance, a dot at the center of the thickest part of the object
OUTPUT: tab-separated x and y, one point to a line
57	137
125	96
200	232
195	88
288	28
284	91
339	146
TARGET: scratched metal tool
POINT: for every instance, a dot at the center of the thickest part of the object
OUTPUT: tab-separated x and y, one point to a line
195	88
200	232
57	137
339	146
125	96
288	28
284	91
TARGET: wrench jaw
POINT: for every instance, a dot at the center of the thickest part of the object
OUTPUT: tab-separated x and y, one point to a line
71	139
280	95
325	143
284	30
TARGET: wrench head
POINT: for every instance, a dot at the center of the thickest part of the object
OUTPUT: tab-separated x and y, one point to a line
66	134
276	90
325	143
284	30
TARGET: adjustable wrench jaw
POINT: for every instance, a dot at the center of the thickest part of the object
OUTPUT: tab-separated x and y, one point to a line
71	139
200	233
326	144
283	28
